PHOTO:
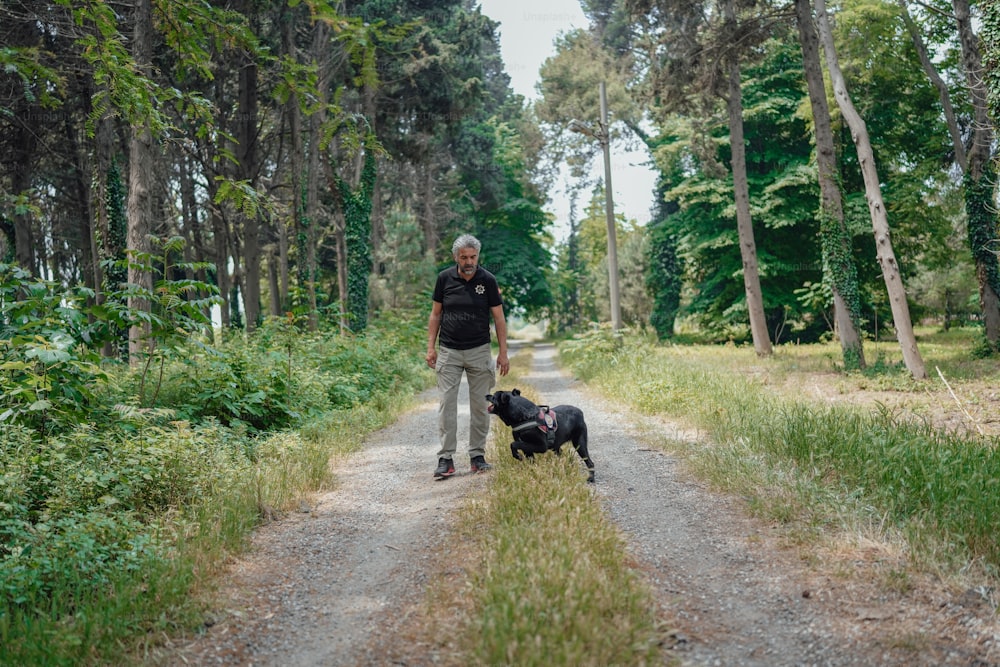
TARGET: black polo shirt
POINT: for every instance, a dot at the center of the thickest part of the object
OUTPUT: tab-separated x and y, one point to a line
465	307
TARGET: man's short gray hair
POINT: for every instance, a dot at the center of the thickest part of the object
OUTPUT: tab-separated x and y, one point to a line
465	241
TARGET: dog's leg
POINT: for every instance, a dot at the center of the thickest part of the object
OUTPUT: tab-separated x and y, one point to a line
522	449
580	444
528	448
517	450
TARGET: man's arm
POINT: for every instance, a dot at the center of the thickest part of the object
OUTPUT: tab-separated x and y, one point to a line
433	328
503	363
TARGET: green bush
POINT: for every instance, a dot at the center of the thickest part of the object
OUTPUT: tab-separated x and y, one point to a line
75	555
116	492
282	376
48	369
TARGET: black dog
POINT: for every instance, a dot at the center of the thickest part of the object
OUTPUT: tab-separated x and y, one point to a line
538	428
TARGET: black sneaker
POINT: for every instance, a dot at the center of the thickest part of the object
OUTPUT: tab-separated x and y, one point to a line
479	464
445	468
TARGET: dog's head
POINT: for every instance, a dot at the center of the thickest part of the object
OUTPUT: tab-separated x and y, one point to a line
511	407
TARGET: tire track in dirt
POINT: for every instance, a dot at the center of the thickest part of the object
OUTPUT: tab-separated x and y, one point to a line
315	583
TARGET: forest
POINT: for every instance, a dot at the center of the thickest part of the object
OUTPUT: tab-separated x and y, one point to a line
222	221
316	159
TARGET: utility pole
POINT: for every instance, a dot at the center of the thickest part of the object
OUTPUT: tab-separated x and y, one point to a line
603	136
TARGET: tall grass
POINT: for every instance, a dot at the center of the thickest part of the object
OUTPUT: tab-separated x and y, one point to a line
816	464
553	583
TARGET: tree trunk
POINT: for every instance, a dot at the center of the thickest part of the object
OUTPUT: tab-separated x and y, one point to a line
20	183
313	214
194	250
282	304
189	209
341	245
217	166
90	268
321	57
942	87
427	216
979	182
103	149
876	207
295	166
355	203
835	241
247	156
741	192
220	244
139	209
237	288
273	276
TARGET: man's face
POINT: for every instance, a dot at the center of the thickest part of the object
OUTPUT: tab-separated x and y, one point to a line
468	259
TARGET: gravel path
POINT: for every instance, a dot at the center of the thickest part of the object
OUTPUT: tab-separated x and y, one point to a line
333	584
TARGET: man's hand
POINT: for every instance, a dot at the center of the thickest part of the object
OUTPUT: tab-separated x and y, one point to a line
503	364
432	358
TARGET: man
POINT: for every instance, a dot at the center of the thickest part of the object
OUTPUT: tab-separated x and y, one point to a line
465	296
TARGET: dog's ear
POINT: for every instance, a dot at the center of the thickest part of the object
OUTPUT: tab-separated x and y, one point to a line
515	392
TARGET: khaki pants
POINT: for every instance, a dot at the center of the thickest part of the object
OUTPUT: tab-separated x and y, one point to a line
477	364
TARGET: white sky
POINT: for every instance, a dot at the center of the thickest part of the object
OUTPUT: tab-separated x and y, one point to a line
528	29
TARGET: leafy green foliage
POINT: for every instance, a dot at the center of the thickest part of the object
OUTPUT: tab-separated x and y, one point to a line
513	228
283	376
982	225
92	546
664	280
48	367
583	276
400	264
356	205
179	305
990	34
103	527
507	214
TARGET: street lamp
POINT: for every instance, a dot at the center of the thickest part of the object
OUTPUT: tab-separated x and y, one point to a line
601	134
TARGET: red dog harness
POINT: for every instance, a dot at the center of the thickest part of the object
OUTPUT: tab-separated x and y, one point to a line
546	422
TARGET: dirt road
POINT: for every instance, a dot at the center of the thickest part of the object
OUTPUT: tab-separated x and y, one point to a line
341	582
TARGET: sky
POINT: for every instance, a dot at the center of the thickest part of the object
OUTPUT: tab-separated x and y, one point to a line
528	30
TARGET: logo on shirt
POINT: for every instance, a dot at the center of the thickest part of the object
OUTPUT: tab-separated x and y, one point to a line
480	289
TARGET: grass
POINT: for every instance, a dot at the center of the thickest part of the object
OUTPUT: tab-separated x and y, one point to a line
821	469
536	593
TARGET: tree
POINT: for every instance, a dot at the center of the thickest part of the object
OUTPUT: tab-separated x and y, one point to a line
139	209
880	223
976	163
400	264
355	204
664	279
243	104
980	179
247	140
741	191
838	265
694	57
990	33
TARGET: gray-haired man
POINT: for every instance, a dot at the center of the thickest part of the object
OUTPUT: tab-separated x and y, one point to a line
465	297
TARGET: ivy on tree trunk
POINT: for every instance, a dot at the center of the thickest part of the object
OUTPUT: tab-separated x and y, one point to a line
982	224
356	205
